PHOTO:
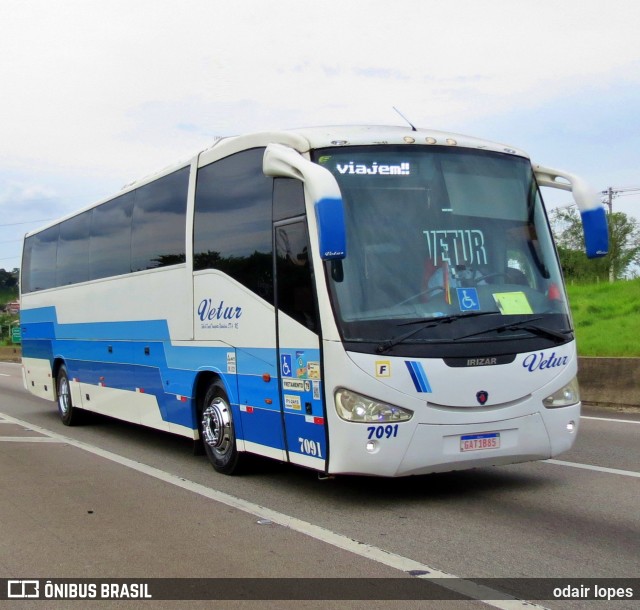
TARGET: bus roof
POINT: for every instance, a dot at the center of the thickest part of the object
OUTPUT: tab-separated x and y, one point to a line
305	139
354	135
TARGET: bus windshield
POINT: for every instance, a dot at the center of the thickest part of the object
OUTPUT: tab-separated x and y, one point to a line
435	237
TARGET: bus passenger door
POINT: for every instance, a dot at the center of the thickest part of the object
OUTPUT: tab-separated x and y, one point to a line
298	337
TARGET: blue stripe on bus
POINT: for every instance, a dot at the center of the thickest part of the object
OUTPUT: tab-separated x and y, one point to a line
418	376
113	354
263	427
300	430
38	348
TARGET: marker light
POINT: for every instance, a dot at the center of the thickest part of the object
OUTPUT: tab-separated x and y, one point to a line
357	408
430	140
451	142
568	395
571	426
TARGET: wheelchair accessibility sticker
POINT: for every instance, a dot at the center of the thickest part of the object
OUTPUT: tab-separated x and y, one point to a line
285	365
468	299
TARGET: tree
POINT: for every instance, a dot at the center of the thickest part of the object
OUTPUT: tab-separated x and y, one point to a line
8	279
624	246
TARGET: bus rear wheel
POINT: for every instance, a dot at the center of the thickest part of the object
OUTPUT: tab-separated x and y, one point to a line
218	432
69	414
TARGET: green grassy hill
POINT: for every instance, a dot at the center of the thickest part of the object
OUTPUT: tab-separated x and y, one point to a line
607	318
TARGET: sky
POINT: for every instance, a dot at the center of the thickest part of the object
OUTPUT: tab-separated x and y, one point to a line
97	93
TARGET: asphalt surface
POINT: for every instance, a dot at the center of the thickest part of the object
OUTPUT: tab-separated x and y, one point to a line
112	500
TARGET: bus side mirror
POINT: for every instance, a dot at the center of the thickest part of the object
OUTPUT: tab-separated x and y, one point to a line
320	185
594	220
596	234
331	229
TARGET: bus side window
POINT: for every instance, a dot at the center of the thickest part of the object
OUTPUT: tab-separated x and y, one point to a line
39	264
73	250
232	226
110	242
288	198
159	220
295	295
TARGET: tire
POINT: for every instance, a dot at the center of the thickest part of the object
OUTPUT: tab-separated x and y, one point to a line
69	414
217	431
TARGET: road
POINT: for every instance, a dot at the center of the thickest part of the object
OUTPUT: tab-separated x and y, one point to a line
573	517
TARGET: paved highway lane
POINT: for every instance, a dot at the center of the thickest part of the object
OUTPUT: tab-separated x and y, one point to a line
607	438
543	519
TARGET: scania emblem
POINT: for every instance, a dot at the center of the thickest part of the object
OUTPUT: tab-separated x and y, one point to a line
482	397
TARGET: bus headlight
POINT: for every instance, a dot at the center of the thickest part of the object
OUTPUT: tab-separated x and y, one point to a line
568	395
352	406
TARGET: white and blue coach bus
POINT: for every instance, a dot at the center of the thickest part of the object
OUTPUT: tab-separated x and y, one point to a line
364	300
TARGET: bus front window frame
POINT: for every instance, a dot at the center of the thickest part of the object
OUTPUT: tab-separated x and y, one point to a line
441	215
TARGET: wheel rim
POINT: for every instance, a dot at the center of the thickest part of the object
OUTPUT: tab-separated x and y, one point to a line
64	396
216	427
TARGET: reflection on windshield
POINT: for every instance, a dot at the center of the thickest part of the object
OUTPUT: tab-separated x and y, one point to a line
434	232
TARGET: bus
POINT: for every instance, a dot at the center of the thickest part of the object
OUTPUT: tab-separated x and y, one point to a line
356	300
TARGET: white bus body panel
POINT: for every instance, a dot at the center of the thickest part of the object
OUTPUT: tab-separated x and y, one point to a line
448	409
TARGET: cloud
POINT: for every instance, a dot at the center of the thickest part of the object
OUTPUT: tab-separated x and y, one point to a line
97	94
14	193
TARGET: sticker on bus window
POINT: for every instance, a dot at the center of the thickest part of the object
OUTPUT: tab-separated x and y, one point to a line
456	246
285	365
293	385
231	363
468	299
313	370
374	169
512	303
301	365
292	402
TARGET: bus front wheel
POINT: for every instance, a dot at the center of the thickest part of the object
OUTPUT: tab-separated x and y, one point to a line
218	432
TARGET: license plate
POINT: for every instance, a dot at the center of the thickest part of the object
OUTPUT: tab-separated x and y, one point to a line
478	442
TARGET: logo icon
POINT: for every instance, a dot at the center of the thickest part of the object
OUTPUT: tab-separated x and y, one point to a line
482	397
418	376
285	365
383	368
468	299
22	589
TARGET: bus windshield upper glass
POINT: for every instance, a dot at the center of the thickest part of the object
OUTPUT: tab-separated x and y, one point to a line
437	235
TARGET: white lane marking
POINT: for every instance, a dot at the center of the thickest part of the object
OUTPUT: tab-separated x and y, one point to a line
5	375
29	439
626	473
481	593
618	421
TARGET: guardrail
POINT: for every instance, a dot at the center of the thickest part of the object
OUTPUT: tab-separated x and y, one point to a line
610	381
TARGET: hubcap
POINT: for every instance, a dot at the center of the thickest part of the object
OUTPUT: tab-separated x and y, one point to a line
64	398
216	426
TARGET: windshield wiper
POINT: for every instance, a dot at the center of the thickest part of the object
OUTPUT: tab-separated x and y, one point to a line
427	323
548	333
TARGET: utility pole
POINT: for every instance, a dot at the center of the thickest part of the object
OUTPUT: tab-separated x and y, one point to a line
612	192
609	194
610	204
